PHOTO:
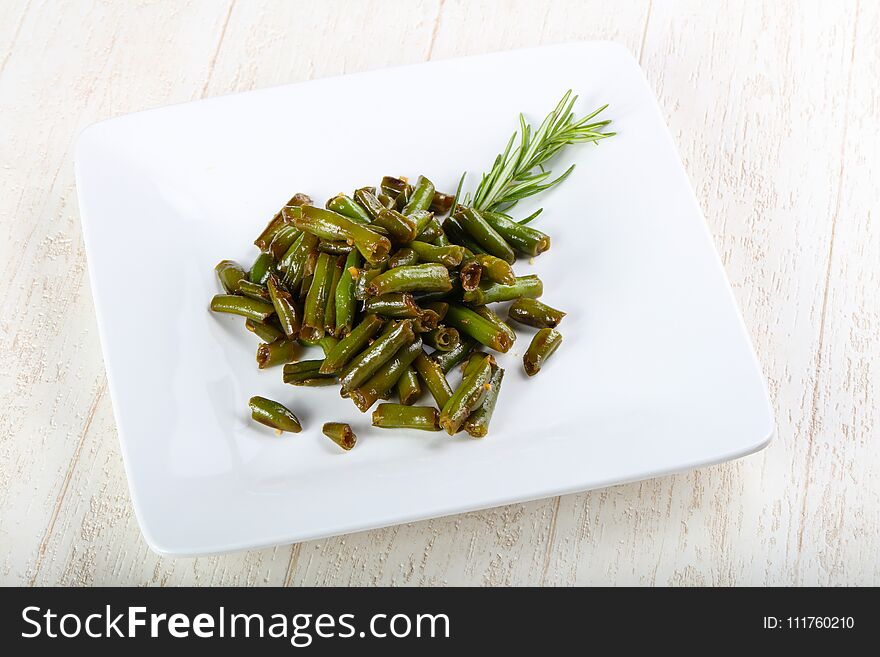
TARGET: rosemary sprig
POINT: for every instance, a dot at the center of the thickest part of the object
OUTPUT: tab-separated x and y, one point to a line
519	171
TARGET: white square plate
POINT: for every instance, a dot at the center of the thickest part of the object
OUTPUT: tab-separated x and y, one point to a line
656	373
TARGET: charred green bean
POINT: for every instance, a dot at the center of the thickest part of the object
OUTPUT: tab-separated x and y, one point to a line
532	312
340	433
488	292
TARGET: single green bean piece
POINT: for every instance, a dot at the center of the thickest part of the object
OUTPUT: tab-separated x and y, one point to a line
524	239
421	197
479	328
432	232
329	225
346	206
345	301
483	234
532	312
408	387
316	299
384	380
448	256
439	307
363	279
397	305
545	342
475	361
457	234
307	373
340	433
422	218
470	274
442	338
338	267
440	238
274	415
398	416
477	424
276	353
486	313
404	196
263	330
403	258
427	320
283	240
289	314
441	203
392	186
236	305
253	290
280	220
262	267
299	261
388	202
434	377
487	292
449	359
230	274
414	278
368	362
366	197
495	269
401	228
468	396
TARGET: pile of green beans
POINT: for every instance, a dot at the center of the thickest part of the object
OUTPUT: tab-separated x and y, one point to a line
395	298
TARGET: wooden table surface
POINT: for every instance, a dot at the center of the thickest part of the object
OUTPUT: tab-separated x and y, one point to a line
775	108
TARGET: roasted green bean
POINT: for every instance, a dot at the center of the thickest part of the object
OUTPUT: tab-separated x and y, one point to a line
479	328
434	378
415	278
467	396
274	415
534	313
340	433
368	362
442	338
345	299
408	387
244	306
403	257
262	267
477	424
421	197
263	330
545	342
307	373
288	313
276	353
449	359
401	228
338	267
329	225
346	206
397	305
352	344
387	376
487	292
448	256
316	299
399	416
524	239
231	274
483	234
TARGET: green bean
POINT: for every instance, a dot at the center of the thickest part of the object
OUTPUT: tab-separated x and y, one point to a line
299	261
403	257
401	228
469	394
337	267
421	197
340	433
477	424
392	186
449	359
441	203
524	239
404	196
262	267
457	234
442	338
366	197
414	278
433	376
439	307
274	415
422	219
368	362
384	380
279	221
289	315
283	240
397	305
346	206
545	342
266	332
495	269
479	328
363	280
398	416
470	275
307	373
432	232
276	353
486	313
387	202
230	274
475	361
329	225
252	290
525	286
483	234
236	305
427	320
316	299
408	387
345	301
448	256
534	313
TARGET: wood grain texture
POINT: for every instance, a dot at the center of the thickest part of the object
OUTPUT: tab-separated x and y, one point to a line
774	108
